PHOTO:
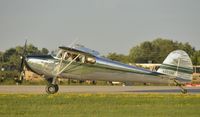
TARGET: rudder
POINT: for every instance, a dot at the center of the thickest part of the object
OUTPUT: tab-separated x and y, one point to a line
178	65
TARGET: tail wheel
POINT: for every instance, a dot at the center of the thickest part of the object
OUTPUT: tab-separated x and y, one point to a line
184	91
51	88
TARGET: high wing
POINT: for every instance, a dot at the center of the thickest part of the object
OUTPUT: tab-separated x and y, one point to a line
85	49
74	51
79	49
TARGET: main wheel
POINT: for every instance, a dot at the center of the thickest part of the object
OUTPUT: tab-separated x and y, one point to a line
51	88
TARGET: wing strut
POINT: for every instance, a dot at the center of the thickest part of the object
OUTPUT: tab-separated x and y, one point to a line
60	71
68	65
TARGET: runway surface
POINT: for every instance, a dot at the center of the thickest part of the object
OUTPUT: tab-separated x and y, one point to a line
14	89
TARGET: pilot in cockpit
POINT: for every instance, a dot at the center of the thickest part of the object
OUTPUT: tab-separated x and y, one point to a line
67	56
70	56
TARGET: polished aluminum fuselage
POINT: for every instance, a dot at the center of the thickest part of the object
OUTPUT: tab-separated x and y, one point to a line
102	69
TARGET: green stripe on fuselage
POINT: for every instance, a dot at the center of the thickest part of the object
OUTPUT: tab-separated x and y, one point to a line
174	68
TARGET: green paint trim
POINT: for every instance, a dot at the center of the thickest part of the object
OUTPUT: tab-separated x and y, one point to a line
174	68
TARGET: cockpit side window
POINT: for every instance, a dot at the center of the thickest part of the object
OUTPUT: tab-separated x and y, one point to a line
69	56
60	54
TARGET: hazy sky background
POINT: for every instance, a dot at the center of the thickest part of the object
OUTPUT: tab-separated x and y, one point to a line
103	25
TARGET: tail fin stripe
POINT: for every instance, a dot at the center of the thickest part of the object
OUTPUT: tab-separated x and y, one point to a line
180	69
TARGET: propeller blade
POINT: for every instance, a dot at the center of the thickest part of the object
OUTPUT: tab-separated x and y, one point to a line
25	45
21	68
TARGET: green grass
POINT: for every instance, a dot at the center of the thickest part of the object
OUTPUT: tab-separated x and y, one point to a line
99	105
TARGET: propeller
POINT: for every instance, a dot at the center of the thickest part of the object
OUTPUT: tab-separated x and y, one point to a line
21	68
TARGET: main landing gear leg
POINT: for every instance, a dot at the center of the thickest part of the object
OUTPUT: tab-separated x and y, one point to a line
52	87
183	90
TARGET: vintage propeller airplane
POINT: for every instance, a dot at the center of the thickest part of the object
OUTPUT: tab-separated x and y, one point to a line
82	63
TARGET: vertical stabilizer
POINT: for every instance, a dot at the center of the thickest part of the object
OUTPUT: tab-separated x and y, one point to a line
179	65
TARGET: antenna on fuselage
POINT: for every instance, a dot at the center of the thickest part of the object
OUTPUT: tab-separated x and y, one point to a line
73	42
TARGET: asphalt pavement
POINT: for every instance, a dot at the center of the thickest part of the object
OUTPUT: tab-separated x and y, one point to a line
24	89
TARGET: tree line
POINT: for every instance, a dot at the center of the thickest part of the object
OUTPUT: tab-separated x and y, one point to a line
148	51
10	59
155	52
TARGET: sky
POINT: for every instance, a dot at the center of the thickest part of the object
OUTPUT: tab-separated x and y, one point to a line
103	25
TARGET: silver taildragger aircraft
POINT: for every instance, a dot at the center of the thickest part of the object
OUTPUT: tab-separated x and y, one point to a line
82	63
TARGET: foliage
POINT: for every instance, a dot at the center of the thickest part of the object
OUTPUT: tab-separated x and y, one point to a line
44	51
118	57
99	105
196	58
157	50
7	81
149	51
10	59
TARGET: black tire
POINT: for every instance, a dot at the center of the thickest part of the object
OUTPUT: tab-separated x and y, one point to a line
52	89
